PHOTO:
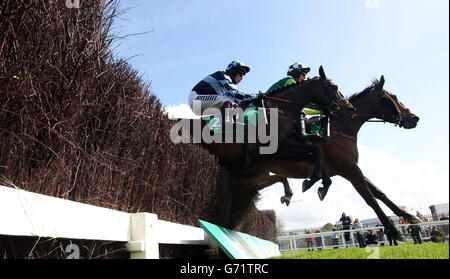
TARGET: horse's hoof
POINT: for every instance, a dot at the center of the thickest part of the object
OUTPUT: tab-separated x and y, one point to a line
321	193
305	185
395	234
285	200
399	237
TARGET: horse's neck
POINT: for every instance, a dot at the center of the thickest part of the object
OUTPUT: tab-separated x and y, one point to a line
351	127
300	93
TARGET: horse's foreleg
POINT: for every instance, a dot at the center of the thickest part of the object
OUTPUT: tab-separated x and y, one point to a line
392	206
317	168
356	177
311	154
326	180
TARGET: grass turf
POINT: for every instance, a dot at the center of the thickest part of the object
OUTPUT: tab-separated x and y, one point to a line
426	250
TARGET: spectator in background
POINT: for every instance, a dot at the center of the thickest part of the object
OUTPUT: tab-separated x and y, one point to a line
380	233
335	237
419	215
436	235
371	238
359	236
319	243
346	222
309	241
402	221
444	228
426	231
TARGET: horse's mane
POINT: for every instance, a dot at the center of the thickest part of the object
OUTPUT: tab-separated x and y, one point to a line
297	84
367	90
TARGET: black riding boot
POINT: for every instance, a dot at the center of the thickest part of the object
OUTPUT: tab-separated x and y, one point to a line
300	126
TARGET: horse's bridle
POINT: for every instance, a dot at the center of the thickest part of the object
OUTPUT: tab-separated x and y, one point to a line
335	105
397	109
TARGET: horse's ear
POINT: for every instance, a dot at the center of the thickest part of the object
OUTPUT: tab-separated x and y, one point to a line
322	73
381	84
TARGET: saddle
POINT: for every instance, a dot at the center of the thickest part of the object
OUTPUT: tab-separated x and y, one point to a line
214	122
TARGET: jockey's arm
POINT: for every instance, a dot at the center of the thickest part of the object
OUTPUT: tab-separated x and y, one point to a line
240	95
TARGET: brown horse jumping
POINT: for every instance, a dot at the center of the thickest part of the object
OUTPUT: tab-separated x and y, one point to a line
289	100
341	152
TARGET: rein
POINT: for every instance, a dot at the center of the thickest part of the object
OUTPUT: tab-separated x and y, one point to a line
276	99
375	120
366	115
394	103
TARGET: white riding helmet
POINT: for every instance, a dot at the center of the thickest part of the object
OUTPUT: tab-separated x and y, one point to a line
238	66
298	68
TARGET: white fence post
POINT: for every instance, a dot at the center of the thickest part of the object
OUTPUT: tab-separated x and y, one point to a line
144	243
343	241
386	242
352	237
323	242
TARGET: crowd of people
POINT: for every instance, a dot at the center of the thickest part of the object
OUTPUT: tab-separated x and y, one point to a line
375	235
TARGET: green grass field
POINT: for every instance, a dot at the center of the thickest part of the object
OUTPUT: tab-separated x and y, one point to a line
426	250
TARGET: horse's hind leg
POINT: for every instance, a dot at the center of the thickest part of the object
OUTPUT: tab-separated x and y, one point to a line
286	199
272	179
392	206
287	191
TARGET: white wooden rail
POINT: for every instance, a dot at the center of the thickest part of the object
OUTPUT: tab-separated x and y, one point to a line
341	234
24	213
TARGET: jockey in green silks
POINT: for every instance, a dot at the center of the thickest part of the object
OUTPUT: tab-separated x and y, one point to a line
296	74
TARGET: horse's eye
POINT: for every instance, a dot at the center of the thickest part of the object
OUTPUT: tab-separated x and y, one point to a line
333	107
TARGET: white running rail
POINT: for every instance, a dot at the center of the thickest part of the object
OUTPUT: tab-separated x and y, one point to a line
24	213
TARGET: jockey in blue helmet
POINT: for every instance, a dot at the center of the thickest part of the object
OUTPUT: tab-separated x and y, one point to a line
219	89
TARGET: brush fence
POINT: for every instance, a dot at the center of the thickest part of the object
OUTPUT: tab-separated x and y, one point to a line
24	213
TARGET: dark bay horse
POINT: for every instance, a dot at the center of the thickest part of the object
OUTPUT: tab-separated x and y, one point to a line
373	102
341	152
289	100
